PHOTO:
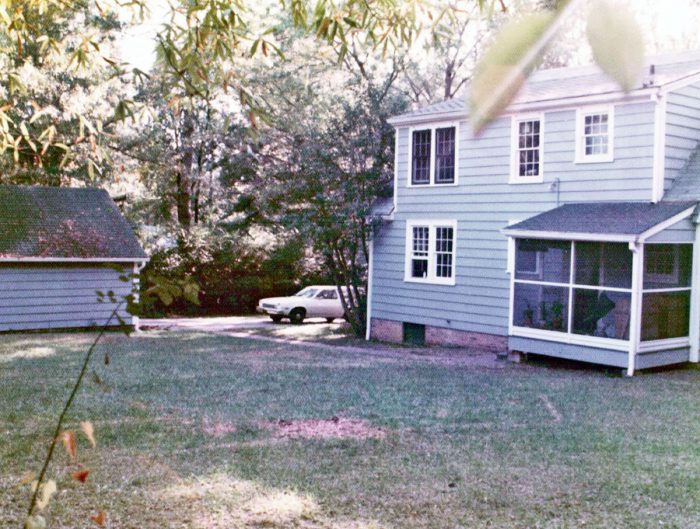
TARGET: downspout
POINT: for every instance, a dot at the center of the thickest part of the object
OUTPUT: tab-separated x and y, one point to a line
694	333
659	163
136	286
637	250
370	280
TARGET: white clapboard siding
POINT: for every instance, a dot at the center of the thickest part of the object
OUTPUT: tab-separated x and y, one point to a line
56	296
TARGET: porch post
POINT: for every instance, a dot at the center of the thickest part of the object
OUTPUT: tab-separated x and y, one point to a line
635	304
370	280
694	333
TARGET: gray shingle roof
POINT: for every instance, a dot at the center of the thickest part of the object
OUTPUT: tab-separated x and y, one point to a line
686	186
603	218
558	83
383	207
61	222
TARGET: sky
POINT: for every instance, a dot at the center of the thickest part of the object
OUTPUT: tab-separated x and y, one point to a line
669	25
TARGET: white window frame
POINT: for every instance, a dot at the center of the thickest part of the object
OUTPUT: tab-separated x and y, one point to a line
515	178
433	152
432	226
581	114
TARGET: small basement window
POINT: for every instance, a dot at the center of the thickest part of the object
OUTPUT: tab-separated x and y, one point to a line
413	333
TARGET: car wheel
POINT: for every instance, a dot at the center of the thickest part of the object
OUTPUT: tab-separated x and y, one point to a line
330	320
297	316
276	318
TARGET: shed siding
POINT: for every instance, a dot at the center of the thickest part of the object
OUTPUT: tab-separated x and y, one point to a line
60	296
682	129
484	202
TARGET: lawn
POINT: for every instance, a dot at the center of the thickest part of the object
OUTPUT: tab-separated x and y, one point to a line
203	431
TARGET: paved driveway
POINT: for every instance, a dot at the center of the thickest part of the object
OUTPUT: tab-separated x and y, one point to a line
222	323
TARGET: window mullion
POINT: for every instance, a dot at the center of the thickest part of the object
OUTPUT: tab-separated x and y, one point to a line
433	154
432	249
572	264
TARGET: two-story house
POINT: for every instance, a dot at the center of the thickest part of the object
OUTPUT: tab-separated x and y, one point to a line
567	228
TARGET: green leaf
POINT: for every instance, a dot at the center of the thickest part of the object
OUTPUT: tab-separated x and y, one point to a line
516	50
617	42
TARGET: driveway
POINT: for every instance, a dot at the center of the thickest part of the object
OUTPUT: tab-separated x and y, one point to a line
222	323
316	333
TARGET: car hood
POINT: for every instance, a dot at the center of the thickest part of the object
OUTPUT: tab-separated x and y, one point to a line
274	301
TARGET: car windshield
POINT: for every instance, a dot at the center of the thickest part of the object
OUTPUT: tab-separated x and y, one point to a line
306	293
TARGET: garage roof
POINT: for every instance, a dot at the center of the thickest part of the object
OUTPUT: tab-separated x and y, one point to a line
60	223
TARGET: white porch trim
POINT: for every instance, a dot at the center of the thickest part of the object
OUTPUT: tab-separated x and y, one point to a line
695	300
370	274
659	167
635	305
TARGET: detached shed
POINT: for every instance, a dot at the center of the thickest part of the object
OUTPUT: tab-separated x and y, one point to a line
58	248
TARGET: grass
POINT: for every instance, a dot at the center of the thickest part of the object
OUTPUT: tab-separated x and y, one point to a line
188	437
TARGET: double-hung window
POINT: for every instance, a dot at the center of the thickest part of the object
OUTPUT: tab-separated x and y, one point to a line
527	136
434	156
594	135
430	254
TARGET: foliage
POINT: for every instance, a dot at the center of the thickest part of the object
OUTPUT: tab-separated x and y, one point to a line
42	491
613	34
213	273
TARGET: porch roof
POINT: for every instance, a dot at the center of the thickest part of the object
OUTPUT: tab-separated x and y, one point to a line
603	221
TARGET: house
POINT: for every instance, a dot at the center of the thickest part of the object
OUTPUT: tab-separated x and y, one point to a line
567	228
58	248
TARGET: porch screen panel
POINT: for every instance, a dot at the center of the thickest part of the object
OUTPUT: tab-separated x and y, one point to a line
541	292
666	295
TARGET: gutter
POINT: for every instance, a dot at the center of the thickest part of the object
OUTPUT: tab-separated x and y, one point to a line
143	260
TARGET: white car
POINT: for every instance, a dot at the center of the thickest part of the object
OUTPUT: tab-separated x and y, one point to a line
318	301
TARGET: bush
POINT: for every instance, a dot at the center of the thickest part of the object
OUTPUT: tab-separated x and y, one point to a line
229	276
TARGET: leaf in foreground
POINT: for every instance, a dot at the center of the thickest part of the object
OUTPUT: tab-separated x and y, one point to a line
48	489
35	522
100	518
80	475
504	68
69	443
89	431
617	42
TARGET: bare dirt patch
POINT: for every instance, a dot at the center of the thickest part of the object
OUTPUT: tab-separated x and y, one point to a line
333	428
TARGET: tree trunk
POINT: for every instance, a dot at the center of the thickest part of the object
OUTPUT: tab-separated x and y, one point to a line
183	194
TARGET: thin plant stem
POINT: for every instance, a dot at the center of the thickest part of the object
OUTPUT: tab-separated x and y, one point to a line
62	417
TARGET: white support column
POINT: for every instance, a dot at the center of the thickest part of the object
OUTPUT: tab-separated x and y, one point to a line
635	305
695	300
136	283
370	280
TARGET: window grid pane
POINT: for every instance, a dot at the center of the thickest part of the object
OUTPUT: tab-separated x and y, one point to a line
595	134
421	157
444	237
445	155
529	148
419	260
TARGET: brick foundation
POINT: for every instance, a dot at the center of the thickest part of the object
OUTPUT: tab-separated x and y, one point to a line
392	331
386	330
475	340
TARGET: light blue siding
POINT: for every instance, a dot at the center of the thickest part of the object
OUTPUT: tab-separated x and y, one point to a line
595	355
682	129
484	202
59	296
681	232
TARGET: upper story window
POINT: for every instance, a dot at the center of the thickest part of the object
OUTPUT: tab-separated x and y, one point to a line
594	135
434	156
430	251
526	157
